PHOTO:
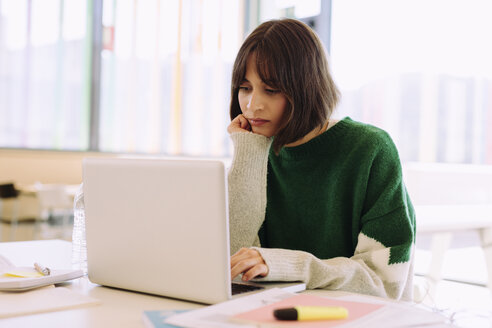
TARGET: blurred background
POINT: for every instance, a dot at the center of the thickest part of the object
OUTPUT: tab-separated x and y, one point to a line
152	78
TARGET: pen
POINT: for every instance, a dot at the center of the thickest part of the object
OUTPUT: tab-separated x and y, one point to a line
303	313
41	269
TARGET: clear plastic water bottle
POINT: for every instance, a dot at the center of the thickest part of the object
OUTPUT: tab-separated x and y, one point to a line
79	246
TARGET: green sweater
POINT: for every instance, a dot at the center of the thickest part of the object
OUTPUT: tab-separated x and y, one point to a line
322	194
332	212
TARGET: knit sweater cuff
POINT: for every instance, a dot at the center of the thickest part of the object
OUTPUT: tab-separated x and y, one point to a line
249	148
284	264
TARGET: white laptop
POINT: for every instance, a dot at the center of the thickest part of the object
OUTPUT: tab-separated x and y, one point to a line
160	226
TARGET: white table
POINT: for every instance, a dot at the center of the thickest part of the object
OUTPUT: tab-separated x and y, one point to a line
442	221
118	308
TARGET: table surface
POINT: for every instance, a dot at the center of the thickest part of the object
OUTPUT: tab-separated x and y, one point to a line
440	218
118	308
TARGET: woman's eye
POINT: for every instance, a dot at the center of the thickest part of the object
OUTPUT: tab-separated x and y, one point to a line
272	91
243	88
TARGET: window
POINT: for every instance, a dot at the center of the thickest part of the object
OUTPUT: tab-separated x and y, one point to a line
164	74
44	74
420	70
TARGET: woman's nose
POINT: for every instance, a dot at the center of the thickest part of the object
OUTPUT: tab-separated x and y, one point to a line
255	101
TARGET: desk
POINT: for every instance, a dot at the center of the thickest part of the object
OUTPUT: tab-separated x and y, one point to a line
43	209
451	218
118	309
444	220
29	204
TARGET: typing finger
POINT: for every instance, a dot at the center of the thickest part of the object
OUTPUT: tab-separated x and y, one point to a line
245	265
246	259
258	270
240	255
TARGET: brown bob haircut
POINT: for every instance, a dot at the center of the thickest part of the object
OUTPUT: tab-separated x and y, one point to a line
290	58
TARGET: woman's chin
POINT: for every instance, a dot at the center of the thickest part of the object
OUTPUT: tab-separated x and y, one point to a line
261	131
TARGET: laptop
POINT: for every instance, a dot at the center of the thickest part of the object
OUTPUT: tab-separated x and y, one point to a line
160	226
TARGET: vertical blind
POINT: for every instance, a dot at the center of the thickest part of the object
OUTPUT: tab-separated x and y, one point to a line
166	68
43	74
164	77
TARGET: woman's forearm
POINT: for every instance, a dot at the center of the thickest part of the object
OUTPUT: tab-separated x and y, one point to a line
247	188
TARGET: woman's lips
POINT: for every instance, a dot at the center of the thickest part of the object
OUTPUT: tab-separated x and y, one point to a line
257	122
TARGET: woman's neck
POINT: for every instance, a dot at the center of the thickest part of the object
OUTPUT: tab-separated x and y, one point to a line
313	134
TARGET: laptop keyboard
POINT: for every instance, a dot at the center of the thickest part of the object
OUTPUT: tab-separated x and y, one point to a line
242	288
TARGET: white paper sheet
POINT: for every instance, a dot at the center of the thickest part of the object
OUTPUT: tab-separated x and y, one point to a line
217	316
5	264
23	283
46	299
398	315
392	315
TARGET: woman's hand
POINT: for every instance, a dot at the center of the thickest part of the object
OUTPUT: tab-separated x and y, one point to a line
248	262
239	124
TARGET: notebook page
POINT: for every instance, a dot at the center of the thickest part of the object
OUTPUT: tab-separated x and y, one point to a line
5	264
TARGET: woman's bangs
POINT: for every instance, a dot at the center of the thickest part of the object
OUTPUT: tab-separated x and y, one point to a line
239	72
266	67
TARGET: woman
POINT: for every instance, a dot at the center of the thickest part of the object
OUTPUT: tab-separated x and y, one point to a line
311	199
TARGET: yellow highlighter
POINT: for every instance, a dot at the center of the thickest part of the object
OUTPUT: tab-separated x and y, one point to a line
305	313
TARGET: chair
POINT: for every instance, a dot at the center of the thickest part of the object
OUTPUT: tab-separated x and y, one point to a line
9	206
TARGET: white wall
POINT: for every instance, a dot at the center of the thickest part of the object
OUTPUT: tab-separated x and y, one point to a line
30	166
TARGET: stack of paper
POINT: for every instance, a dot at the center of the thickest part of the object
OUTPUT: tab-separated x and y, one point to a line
257	311
14	278
17	298
264	314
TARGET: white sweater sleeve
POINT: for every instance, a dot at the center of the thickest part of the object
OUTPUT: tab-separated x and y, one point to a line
366	272
247	188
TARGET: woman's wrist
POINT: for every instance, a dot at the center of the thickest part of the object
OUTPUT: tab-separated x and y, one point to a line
250	153
251	142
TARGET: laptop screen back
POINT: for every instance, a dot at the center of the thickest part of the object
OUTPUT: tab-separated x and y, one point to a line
158	226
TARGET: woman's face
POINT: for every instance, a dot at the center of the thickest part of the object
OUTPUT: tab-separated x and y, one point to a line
262	105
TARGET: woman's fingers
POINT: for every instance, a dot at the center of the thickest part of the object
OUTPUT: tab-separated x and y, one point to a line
239	124
244	123
257	270
239	255
248	262
243	265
